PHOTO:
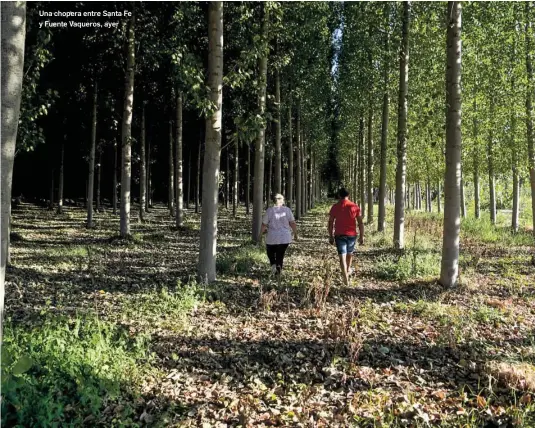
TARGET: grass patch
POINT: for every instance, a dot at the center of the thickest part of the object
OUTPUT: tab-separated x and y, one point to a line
162	308
241	260
484	231
413	264
68	370
68	251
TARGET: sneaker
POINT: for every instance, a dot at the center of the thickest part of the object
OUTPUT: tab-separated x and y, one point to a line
273	269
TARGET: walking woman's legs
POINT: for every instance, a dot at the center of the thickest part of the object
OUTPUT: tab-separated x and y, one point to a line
272	256
281	250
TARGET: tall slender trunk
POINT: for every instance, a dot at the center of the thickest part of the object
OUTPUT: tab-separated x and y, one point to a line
61	176
384	131
91	175
227	179
490	156
126	131
269	178
115	184
198	181
311	180
235	198
428	194
290	179
13	37
475	160
439	203
171	194
299	176
356	165
361	166
370	166
401	171
149	180
99	176
452	225
278	151
51	197
188	191
248	186
514	164
303	176
208	235
142	168
529	110
179	166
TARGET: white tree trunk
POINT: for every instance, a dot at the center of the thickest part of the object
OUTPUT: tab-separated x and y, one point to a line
278	136
401	171
235	198
126	131
449	271
299	176
370	167
290	179
529	109
179	170
143	170
212	155
171	192
13	36
91	175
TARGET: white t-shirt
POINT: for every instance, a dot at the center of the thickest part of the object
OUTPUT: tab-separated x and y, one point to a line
277	220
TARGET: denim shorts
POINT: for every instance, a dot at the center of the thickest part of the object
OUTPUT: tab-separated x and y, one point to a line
345	244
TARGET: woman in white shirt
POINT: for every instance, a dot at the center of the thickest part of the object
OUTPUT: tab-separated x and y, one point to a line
279	222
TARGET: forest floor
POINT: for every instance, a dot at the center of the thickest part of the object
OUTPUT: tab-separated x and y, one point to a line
105	332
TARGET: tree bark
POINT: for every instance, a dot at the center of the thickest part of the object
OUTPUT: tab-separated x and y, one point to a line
475	159
370	166
61	176
171	194
490	155
248	187
439	203
115	184
179	166
269	179
514	164
401	171
149	181
529	110
188	191
278	136
91	175
290	179
198	182
126	131
452	224
99	176
212	156
235	198
143	171
299	176
361	166
13	37
227	179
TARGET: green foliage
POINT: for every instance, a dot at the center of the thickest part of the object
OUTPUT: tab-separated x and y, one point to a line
68	369
241	260
412	264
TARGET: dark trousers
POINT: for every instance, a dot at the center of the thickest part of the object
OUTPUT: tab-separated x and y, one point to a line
275	254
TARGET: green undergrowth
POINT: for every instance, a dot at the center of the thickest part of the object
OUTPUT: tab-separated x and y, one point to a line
67	370
484	231
241	260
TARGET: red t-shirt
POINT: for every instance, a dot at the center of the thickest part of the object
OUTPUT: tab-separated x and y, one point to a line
345	214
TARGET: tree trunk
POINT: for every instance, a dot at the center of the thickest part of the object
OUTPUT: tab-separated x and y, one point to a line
361	165
428	195
126	176
148	203
248	184
179	167
235	198
452	224
356	160
290	179
529	110
51	195
278	151
115	184
401	171
299	176
212	155
91	175
99	175
171	194
61	175
303	176
188	191
492	191
269	179
227	179
198	183
13	37
439	204
142	168
370	166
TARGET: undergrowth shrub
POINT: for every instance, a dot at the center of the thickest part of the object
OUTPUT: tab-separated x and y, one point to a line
67	370
241	260
413	264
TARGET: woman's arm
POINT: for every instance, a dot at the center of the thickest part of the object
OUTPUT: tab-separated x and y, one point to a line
293	225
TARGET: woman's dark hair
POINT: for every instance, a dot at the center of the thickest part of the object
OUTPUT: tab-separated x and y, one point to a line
343	193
